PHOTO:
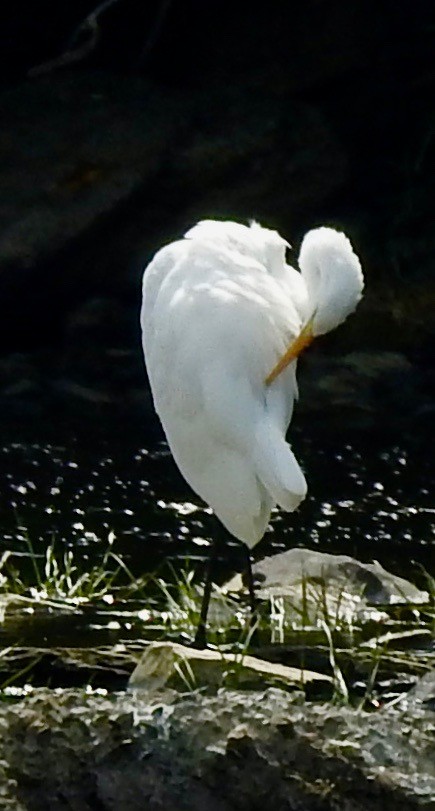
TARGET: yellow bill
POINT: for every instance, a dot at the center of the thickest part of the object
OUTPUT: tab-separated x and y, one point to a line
304	339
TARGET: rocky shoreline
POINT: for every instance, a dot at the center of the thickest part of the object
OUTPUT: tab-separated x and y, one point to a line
232	750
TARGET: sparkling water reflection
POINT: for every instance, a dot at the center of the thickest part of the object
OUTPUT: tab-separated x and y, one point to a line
368	497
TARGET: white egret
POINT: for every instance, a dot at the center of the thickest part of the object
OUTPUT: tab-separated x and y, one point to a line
224	318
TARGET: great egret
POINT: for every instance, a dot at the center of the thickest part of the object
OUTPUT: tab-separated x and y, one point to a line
224	319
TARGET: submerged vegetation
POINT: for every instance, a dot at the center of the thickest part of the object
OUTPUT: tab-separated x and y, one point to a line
63	624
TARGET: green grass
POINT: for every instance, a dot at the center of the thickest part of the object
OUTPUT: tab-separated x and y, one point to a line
59	575
312	631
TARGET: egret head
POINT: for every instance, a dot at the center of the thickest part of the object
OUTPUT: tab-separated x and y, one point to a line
333	276
334	282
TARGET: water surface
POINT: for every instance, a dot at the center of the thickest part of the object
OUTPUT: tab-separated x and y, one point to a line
370	496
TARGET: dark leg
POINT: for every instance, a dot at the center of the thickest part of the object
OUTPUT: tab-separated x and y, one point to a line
251	589
200	640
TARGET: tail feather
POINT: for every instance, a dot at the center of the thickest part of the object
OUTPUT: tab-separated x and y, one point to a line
278	470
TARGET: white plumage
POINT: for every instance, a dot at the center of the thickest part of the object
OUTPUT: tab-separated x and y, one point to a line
220	308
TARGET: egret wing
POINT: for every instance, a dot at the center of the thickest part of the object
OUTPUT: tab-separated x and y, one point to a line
214	321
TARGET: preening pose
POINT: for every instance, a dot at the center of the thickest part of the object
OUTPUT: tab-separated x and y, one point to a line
223	321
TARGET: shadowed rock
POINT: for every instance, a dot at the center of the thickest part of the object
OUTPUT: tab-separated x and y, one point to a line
166	664
320	584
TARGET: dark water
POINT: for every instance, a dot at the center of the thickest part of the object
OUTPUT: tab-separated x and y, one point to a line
370	496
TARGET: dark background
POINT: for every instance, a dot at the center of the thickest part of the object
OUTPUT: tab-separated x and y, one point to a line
296	114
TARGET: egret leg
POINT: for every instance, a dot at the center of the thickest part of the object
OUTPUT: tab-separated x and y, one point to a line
200	640
250	583
251	591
